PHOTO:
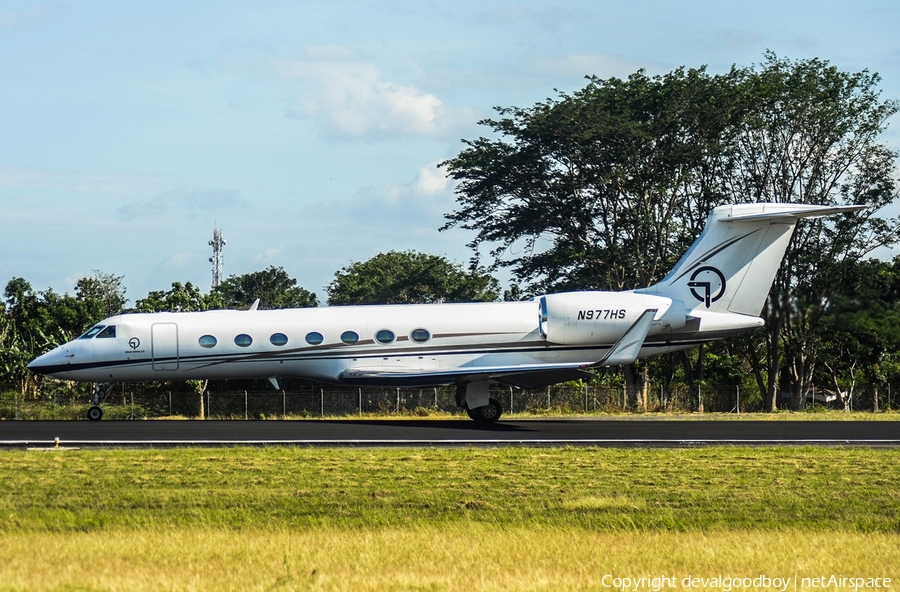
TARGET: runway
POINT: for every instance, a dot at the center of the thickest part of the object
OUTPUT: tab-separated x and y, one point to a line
624	432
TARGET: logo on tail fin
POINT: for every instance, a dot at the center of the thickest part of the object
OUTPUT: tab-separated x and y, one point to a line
710	282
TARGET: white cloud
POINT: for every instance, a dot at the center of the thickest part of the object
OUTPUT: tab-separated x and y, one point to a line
29	16
431	179
351	97
268	257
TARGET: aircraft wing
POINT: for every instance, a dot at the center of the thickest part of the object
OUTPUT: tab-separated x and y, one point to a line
625	351
525	375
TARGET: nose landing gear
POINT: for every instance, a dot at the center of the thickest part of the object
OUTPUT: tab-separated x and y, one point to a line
95	413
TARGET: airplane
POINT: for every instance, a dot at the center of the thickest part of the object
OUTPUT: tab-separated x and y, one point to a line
717	289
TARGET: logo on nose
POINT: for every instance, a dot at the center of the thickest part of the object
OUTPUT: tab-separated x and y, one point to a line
707	285
134	343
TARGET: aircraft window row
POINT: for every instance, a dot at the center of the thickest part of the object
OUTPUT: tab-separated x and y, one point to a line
385	336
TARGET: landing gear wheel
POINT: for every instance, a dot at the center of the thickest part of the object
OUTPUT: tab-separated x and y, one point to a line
487	414
95	413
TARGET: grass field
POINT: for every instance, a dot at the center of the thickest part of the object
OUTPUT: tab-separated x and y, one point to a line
438	519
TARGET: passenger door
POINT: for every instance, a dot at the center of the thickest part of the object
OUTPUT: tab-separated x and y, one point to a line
164	346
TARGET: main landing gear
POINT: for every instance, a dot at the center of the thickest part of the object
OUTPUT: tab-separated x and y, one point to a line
95	413
488	413
473	397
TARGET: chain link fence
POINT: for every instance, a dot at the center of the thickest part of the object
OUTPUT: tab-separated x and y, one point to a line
130	401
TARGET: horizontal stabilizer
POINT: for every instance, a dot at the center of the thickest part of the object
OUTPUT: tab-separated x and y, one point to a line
626	350
792	211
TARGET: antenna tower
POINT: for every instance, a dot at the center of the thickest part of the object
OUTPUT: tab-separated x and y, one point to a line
216	243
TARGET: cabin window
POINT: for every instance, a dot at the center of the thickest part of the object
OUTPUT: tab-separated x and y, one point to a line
207	341
278	339
314	338
420	335
243	340
384	336
92	331
109	332
349	337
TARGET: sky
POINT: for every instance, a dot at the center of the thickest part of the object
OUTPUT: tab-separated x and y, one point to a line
310	132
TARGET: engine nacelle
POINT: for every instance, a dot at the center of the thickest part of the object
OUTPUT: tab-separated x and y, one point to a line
581	318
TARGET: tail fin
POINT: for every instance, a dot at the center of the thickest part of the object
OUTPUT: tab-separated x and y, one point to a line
732	264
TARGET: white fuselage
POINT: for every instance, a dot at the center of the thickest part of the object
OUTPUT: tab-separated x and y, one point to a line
378	345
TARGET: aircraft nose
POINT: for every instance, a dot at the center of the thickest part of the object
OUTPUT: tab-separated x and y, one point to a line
52	362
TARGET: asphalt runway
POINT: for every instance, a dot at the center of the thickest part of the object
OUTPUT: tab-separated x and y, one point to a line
450	432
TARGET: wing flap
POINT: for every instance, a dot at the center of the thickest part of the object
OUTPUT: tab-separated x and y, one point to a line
524	375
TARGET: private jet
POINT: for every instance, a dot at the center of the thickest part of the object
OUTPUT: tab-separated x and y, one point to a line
716	290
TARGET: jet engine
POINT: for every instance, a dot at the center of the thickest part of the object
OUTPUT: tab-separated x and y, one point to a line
581	318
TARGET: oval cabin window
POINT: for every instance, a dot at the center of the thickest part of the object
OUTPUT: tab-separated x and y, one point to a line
384	336
420	335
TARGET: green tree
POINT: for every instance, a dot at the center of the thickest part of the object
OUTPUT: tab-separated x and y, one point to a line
273	286
601	189
180	298
398	277
861	327
606	187
103	288
36	322
809	134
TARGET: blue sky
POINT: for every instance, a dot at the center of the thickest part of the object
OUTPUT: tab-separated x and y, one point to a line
310	131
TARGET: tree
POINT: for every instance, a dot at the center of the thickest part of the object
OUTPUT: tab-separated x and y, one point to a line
809	134
399	277
602	189
273	287
103	288
36	322
180	298
617	179
861	328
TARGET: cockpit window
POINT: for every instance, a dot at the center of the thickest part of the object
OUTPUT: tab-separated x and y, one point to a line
110	331
92	331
